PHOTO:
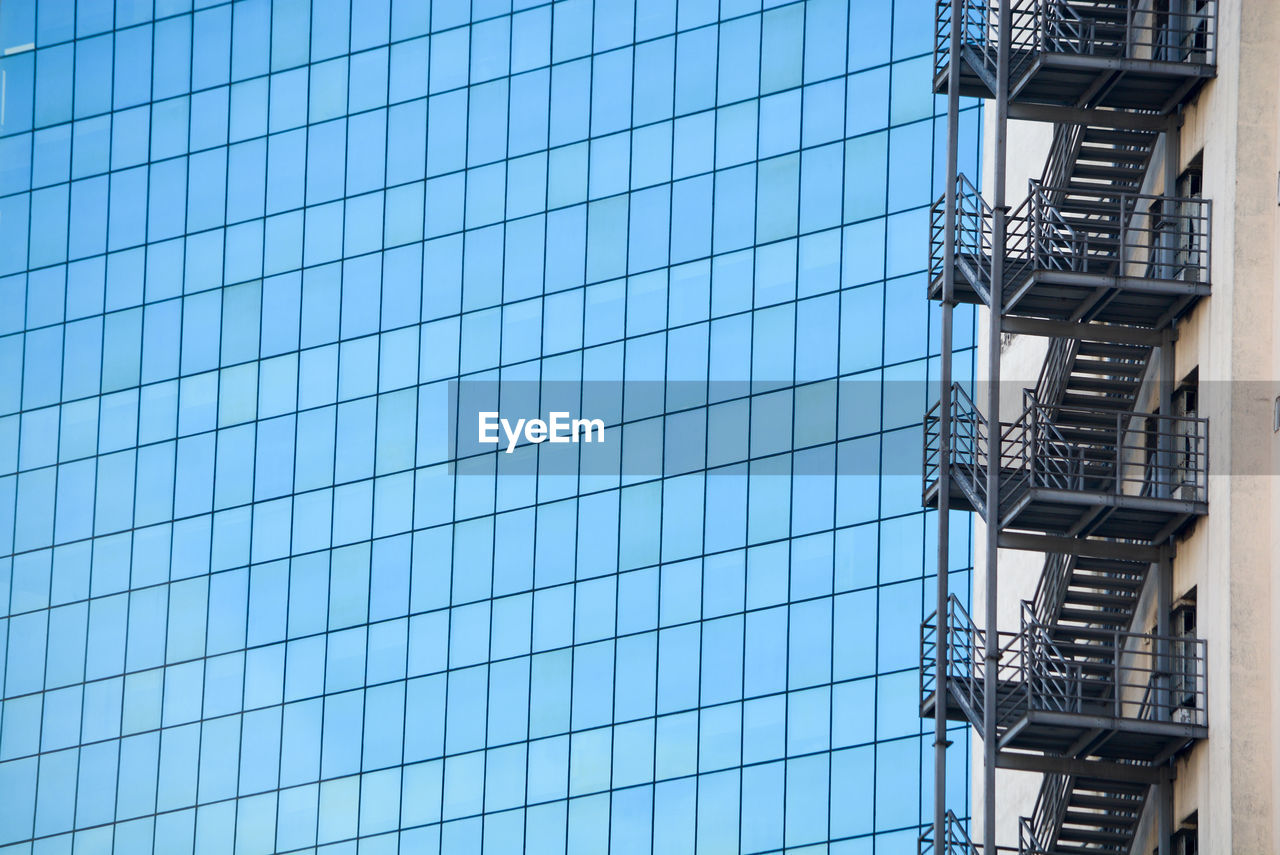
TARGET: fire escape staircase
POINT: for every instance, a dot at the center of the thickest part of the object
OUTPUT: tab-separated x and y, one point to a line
1084	600
1079	815
1086	245
1090	253
1076	471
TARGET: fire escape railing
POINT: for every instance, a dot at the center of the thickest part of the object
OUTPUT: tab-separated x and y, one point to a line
1070	229
1056	370
956	841
1167	36
973	233
1051	590
1056	27
1067	139
1040	830
1116	456
1139	677
969	442
978	33
1108	455
1136	235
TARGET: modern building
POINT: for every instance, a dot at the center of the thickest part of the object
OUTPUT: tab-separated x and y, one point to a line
259	264
1126	489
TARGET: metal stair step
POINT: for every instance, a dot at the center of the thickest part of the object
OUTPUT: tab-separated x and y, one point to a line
1095	594
1124	826
1083	434
1084	634
1075	652
1093	423
1089	850
1100	14
1106	577
1078	824
1111	787
1086	221
1072	642
1121	565
1082	835
1095	676
1116	367
1103	348
1085	169
1110	581
1107	36
1112	153
1085	9
1095	191
1103	384
1116	804
1115	362
1103	638
1092	617
1091	367
1104	600
1093	384
1112	405
1118	136
1073	638
1131	158
1082	217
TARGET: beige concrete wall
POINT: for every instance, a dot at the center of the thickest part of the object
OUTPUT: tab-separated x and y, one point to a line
1018	571
1231	557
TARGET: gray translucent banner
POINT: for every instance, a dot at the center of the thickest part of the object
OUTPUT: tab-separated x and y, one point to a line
864	426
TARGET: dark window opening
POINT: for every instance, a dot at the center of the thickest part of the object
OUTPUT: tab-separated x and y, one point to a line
1186	664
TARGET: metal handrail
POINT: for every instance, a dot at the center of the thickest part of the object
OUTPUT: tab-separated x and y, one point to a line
977	32
1067	140
1110	457
1049	673
1112	676
1099	457
1118	233
1056	370
1054	26
1051	238
969	442
956	841
1067	228
973	232
965	645
1040	830
1051	590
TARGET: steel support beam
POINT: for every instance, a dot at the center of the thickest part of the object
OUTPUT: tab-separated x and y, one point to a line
1082	546
1094	62
1077	116
940	741
1082	331
995	333
1084	768
1164	568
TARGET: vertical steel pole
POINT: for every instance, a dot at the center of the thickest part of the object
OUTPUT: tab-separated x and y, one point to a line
1166	439
1164	694
1000	210
940	742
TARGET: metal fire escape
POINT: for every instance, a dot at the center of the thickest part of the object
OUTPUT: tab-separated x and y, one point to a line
1103	267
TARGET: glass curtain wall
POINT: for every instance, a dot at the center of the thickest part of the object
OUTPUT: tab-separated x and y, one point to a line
251	253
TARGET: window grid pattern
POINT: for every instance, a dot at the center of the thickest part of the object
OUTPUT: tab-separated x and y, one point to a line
251	607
